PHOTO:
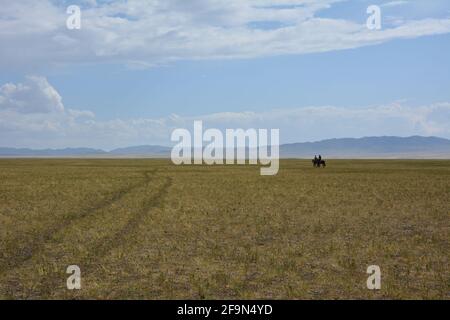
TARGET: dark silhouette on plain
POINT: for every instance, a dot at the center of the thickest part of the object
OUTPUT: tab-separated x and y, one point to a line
318	162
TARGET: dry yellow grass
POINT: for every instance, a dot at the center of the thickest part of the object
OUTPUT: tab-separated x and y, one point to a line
148	229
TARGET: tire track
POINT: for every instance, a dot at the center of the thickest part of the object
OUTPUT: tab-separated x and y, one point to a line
117	239
20	256
105	245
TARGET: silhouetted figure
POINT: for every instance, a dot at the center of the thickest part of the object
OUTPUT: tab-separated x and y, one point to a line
318	162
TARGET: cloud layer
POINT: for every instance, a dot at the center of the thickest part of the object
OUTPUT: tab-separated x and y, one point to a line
32	114
144	33
36	95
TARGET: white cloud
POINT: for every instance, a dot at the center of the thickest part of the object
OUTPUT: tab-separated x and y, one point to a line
36	95
143	33
395	3
30	124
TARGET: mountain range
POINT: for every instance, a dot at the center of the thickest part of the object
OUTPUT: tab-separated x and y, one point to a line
368	147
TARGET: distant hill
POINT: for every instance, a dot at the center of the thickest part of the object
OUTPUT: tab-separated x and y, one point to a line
143	150
24	152
369	147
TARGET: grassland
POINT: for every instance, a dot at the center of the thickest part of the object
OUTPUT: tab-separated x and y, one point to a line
148	229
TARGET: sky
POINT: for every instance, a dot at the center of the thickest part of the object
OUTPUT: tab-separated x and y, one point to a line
138	69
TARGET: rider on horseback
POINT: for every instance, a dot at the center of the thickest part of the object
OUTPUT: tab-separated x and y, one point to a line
318	162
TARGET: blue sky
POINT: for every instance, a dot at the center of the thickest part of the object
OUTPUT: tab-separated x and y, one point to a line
416	71
310	68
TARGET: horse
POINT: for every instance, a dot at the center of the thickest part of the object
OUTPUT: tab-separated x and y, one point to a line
318	163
